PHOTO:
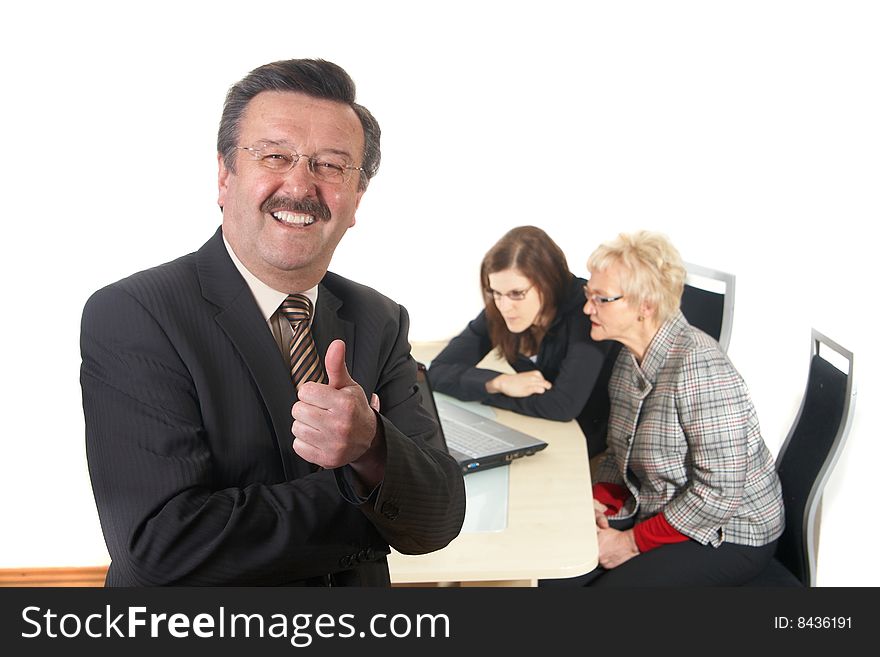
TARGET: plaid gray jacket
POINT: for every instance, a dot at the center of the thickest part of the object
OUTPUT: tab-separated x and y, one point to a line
683	437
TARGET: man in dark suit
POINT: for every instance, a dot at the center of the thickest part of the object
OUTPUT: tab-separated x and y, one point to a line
222	449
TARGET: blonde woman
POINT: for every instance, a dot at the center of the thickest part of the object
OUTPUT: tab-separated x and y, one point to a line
686	465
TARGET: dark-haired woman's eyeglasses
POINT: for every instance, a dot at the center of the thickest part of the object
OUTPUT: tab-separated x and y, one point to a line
513	295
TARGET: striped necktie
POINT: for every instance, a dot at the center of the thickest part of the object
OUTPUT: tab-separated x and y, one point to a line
305	364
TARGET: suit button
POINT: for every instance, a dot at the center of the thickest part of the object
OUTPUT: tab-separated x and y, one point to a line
390	510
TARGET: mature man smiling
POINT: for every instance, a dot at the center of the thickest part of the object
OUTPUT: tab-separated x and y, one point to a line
251	418
284	225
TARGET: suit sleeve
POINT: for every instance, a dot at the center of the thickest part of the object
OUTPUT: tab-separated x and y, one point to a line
454	370
420	504
165	518
580	369
713	409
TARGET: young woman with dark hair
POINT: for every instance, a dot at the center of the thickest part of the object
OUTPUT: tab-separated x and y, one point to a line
533	317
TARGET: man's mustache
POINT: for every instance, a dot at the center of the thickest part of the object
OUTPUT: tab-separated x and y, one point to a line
314	207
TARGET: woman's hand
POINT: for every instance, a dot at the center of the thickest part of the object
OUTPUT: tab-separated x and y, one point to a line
522	384
601	519
616	547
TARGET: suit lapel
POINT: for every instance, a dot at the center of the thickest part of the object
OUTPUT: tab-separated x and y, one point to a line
329	326
241	320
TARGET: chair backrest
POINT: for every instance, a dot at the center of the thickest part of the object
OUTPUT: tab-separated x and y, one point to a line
810	451
707	302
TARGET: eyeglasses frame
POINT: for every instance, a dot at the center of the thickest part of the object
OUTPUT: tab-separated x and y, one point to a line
497	296
599	300
310	163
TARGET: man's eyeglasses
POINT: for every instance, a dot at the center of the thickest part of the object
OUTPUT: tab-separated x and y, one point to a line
597	300
513	295
281	160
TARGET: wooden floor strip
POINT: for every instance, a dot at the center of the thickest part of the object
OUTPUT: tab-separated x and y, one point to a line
85	576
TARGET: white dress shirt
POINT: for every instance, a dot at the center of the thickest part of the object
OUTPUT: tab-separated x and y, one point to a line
269	300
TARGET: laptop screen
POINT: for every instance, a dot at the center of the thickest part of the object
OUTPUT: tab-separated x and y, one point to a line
438	441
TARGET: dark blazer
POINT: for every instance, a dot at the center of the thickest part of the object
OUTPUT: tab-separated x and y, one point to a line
187	402
577	366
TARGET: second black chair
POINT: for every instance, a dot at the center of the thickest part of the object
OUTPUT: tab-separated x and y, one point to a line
807	459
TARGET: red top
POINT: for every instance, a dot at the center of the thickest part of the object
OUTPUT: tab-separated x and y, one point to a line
650	533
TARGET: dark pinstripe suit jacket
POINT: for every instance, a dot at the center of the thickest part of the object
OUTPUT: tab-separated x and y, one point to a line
187	407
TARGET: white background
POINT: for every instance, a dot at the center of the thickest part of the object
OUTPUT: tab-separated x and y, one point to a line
746	131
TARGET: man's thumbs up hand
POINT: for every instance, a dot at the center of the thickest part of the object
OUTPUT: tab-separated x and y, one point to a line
334	425
334	364
337	373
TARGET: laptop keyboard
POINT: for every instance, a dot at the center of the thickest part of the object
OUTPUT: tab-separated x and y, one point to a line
470	441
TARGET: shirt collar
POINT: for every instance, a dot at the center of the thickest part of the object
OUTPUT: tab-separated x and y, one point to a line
268	299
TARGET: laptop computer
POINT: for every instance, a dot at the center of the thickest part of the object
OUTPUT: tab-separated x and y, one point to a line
475	441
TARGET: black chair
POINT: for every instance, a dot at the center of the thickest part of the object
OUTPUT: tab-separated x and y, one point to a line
707	302
806	460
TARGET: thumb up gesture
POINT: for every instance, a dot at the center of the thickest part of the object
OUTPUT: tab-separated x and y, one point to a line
337	373
333	424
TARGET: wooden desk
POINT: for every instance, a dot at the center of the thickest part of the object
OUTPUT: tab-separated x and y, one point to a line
550	529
